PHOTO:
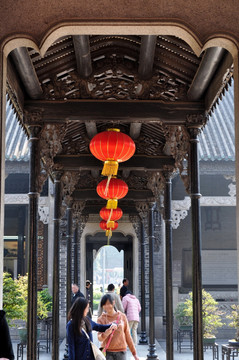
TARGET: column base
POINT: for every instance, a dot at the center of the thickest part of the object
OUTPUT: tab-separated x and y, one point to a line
143	338
152	352
65	356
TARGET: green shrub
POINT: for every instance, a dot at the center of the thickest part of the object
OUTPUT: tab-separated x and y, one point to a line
46	298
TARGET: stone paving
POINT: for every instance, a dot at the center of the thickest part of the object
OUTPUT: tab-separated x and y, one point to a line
142	351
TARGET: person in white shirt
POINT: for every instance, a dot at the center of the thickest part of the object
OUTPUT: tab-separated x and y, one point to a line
115	297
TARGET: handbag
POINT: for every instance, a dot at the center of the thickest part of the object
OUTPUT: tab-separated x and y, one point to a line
110	338
98	355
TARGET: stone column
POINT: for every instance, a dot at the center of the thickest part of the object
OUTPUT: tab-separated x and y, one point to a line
3	71
168	248
56	220
76	255
143	336
34	121
194	123
69	253
152	348
20	241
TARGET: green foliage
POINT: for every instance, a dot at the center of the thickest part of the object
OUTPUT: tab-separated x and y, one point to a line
15	294
12	299
234	317
181	315
46	298
211	315
96	304
97	294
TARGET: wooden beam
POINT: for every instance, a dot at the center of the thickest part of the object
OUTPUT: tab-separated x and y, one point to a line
135	129
15	83
27	73
146	58
217	83
91	128
119	111
205	72
83	56
136	163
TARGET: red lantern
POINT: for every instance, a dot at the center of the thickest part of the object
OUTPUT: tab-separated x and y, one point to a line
110	215
104	225
117	189
112	147
108	229
116	214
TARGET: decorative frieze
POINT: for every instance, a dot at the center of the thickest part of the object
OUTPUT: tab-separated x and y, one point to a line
177	216
43	212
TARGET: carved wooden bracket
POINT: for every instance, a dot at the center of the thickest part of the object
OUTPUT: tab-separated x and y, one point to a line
50	144
77	208
156	184
69	181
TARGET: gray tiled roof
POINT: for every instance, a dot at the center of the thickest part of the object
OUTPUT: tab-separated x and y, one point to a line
217	142
17	148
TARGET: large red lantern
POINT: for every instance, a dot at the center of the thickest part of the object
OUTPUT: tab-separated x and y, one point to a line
110	215
116	189
112	147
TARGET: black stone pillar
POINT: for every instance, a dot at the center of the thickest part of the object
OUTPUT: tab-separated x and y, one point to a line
196	244
168	248
20	240
56	251
32	243
152	347
76	255
69	254
143	337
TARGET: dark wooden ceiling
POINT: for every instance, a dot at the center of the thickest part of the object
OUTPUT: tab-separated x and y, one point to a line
139	84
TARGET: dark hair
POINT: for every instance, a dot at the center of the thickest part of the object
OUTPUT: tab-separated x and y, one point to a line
76	315
128	292
124	280
110	287
105	298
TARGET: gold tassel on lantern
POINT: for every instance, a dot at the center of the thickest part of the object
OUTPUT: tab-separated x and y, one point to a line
110	224
112	204
110	168
108	233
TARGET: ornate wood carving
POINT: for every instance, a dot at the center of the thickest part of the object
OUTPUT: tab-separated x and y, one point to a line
69	180
50	143
156	184
149	146
115	78
77	208
137	182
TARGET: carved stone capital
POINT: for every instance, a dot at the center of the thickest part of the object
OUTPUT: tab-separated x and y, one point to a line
77	208
134	219
69	181
143	210
50	143
33	117
196	120
156	184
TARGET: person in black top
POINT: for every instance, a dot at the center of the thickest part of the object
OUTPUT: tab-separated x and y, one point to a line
124	288
76	293
88	296
6	351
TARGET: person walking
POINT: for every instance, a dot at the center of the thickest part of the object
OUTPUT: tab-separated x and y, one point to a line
79	331
132	309
124	288
76	293
116	346
6	351
115	297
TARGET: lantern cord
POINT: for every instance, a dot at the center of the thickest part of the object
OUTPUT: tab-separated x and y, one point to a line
107	185
111	212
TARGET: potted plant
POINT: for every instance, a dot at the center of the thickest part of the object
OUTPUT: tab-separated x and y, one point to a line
185	321
15	294
234	317
211	316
